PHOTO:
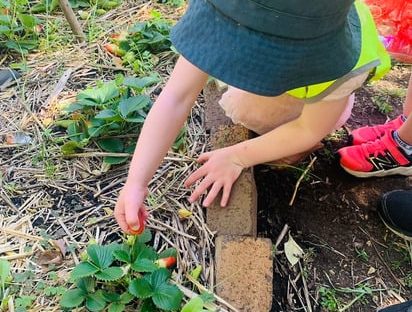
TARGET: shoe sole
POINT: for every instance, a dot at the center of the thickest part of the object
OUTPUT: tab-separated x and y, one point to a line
401	235
405	171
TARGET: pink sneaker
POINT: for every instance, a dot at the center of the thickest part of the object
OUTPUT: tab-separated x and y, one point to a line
371	133
379	158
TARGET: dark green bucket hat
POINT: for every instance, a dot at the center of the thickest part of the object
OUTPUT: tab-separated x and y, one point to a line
268	47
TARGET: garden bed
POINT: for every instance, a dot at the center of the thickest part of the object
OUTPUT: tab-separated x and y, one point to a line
351	262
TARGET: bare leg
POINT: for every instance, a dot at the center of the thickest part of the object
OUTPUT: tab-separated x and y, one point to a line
407	106
260	114
405	131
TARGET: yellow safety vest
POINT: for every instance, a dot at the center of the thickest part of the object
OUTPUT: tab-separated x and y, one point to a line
373	58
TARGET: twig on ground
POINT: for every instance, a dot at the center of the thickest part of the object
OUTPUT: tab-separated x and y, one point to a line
304	173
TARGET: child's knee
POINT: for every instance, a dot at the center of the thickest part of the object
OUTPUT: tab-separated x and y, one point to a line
235	104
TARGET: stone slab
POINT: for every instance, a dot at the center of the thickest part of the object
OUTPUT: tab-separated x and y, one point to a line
239	217
244	272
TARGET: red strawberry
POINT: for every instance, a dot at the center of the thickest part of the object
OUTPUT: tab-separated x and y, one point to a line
166	262
113	49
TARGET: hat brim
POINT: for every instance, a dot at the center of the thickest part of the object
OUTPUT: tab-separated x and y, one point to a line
259	63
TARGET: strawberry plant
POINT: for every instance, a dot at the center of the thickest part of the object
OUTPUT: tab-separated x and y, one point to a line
139	45
19	30
112	108
118	275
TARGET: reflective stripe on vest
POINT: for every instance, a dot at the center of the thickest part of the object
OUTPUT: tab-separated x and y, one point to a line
373	56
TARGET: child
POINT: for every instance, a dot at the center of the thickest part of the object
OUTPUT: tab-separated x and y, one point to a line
291	65
383	149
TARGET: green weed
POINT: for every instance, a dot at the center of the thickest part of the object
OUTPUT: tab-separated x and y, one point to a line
362	254
382	104
328	299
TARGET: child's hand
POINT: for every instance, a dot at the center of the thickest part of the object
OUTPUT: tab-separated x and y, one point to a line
220	170
130	211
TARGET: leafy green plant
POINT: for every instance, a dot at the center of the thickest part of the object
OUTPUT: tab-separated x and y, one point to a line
139	45
19	30
174	3
116	275
105	114
51	5
24	302
362	254
328	299
4	276
382	104
196	304
112	108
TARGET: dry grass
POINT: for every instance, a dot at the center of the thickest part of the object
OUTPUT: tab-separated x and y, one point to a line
51	205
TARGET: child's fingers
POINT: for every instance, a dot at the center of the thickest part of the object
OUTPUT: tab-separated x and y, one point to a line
198	174
145	213
212	194
226	194
132	217
203	158
202	187
121	219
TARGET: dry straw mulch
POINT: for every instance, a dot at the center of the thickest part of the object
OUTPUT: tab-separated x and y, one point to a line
51	205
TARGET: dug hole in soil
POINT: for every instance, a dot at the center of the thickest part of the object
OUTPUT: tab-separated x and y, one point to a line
334	219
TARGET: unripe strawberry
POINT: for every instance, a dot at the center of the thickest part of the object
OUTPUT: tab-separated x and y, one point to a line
166	262
114	49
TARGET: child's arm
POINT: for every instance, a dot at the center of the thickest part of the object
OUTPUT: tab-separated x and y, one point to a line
160	129
221	167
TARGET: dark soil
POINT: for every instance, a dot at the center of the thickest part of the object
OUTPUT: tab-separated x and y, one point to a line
334	217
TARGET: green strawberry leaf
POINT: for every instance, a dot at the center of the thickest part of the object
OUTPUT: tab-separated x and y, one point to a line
112	160
126	297
72	298
111	297
167	297
106	114
169	252
110	274
159	277
87	284
108	92
95	302
116	307
133	104
140	83
101	256
140	288
141	251
29	21
148	306
72	108
145	237
111	145
123	256
83	269
144	265
138	119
